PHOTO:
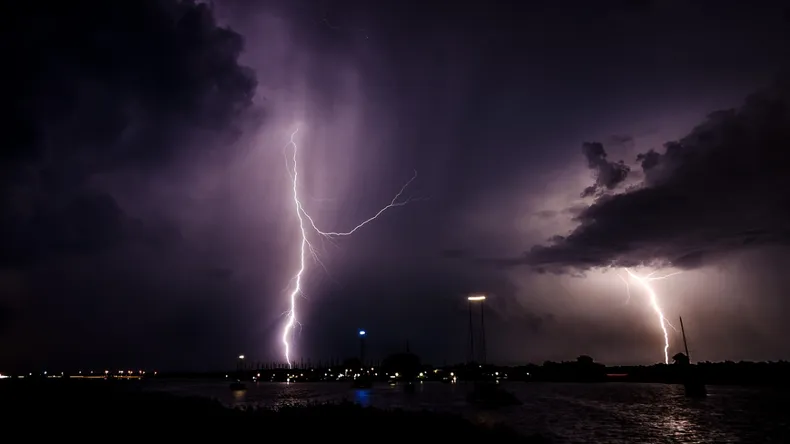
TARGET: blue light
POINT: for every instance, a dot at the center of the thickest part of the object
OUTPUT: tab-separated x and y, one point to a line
362	332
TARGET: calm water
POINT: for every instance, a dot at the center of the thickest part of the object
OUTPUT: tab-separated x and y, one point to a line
567	413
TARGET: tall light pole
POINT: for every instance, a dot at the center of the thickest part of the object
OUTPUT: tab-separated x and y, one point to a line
471	353
362	335
240	368
479	298
482	333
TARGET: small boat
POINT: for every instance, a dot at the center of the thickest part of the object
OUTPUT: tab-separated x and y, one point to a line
238	385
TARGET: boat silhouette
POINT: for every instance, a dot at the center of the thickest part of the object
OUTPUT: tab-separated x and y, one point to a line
693	385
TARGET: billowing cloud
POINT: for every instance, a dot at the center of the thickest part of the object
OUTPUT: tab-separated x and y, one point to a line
97	94
608	174
131	90
721	189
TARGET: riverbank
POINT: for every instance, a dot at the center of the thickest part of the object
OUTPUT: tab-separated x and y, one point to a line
66	408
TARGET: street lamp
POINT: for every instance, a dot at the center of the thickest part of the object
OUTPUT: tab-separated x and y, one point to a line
362	335
473	299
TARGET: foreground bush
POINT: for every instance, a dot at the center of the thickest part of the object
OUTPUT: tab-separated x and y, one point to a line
122	411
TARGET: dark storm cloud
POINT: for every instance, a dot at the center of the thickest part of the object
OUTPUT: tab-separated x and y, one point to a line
721	189
454	253
95	90
608	174
6	316
96	87
87	222
119	78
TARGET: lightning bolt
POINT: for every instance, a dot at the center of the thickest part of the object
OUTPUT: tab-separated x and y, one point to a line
627	288
306	222
662	320
395	202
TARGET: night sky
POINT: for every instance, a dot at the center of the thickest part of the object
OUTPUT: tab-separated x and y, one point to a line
147	217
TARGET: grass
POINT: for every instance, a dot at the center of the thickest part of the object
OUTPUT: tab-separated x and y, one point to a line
122	411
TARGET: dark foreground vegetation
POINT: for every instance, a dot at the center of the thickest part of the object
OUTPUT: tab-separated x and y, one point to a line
114	410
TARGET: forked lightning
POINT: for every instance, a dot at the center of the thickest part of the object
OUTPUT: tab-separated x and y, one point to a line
662	320
306	222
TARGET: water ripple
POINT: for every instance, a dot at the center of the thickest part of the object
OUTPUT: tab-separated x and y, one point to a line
567	413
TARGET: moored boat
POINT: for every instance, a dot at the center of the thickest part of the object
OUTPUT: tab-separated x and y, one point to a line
693	385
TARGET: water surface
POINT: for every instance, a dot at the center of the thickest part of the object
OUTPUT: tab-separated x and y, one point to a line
567	413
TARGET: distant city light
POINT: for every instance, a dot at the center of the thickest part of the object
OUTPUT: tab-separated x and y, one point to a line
476	298
362	332
241	356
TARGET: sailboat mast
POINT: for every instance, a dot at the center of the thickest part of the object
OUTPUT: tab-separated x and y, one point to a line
685	345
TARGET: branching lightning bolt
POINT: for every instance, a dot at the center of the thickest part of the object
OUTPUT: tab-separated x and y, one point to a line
306	222
395	202
627	288
662	320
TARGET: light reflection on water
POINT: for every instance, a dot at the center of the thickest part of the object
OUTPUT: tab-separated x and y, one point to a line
611	413
362	397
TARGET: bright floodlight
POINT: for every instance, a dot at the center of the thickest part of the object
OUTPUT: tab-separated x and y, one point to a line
362	332
476	298
241	356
